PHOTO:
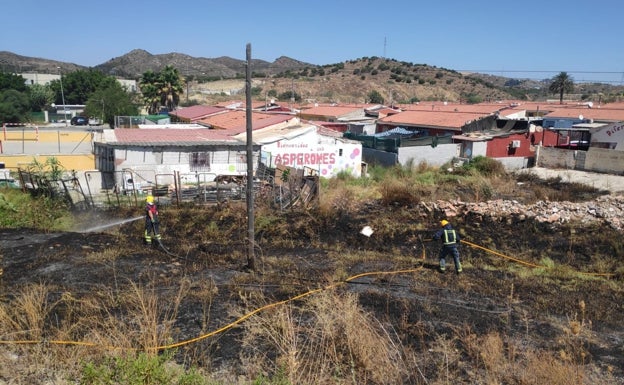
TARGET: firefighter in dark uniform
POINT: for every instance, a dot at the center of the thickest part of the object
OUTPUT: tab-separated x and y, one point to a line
450	241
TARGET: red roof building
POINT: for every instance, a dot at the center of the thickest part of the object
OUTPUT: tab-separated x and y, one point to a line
333	113
235	121
194	113
434	122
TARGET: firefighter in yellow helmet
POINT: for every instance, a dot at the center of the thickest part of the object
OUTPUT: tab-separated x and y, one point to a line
450	241
151	221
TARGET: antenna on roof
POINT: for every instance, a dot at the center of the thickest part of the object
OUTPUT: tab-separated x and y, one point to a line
384	54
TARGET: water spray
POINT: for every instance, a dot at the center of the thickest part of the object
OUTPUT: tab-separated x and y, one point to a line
111	224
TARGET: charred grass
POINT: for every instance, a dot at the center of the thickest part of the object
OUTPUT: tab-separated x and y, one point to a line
199	315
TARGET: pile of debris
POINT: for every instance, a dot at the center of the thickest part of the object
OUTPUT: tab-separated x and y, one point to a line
608	209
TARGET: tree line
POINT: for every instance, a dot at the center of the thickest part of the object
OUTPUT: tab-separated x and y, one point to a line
104	97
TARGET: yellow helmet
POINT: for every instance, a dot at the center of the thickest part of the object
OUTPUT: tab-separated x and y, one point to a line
149	199
443	222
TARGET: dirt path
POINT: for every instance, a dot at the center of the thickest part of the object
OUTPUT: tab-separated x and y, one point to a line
609	182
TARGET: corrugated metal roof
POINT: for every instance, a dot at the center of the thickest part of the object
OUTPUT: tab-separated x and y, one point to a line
196	112
604	114
333	111
159	137
235	121
276	133
483	108
444	119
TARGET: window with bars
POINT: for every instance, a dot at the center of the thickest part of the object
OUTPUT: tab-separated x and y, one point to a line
200	161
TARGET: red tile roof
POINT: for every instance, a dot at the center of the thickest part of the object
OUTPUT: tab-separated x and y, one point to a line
231	104
432	118
332	111
236	121
241	104
169	136
483	108
193	113
307	106
601	114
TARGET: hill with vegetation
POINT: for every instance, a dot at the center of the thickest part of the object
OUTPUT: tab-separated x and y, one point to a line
347	82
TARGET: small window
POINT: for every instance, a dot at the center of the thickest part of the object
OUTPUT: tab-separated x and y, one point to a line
200	161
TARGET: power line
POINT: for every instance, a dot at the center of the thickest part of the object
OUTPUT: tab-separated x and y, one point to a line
504	72
531	71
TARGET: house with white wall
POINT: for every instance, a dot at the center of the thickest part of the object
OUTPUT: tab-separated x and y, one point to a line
307	146
609	136
154	156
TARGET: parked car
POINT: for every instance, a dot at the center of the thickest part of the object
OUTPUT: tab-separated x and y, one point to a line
79	121
9	183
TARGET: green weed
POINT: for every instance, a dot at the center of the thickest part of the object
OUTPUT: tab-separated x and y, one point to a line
140	369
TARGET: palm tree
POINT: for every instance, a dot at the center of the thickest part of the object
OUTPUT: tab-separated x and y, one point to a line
562	83
161	89
171	86
149	85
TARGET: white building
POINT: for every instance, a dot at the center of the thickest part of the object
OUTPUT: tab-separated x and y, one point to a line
609	136
36	78
308	146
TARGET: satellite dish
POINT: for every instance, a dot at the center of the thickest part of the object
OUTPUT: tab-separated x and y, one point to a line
531	128
581	117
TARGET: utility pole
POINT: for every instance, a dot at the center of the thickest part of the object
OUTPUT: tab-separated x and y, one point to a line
188	72
384	54
292	94
63	97
251	260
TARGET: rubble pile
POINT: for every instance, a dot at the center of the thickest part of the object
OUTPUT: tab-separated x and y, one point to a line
608	209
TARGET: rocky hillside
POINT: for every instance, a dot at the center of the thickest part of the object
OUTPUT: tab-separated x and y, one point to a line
345	82
134	63
10	62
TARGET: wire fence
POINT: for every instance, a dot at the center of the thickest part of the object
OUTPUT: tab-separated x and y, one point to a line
129	188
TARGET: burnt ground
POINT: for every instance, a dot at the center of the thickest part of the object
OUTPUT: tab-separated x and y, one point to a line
303	251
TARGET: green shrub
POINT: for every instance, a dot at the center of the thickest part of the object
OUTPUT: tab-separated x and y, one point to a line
485	166
142	369
19	209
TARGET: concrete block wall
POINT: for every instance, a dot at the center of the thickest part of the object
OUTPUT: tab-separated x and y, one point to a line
437	156
550	157
595	159
605	160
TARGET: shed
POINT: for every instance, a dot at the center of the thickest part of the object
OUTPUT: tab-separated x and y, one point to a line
156	154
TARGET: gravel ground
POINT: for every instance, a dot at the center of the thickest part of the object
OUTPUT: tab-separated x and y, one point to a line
610	182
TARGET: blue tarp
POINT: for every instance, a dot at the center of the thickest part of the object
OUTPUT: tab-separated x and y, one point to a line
399	131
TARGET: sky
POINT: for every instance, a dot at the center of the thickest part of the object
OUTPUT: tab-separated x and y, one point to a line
517	39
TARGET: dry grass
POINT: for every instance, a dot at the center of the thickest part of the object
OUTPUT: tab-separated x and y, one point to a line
25	318
108	255
326	338
498	359
316	344
106	322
